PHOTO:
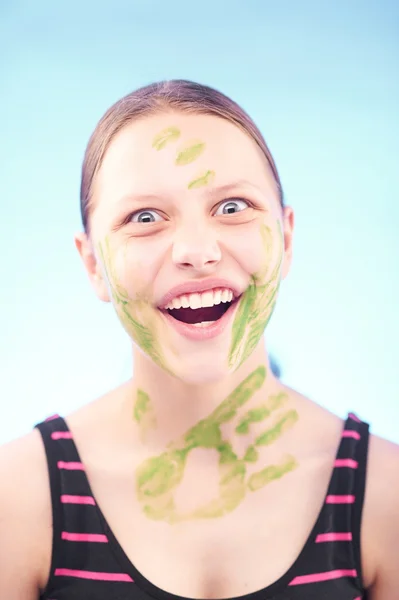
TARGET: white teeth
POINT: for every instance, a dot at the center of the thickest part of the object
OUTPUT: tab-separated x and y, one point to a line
226	296
205	299
185	302
195	300
176	303
217	297
203	324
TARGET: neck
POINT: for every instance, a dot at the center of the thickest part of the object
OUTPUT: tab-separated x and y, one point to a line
164	408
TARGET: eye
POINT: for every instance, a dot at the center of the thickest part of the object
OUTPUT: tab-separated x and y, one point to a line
145	216
230	207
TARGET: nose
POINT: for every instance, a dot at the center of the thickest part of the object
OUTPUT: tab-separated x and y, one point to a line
195	248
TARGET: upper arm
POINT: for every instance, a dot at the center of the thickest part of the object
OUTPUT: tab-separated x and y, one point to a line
381	517
25	518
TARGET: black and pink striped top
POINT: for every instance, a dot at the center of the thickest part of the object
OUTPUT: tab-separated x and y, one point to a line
88	563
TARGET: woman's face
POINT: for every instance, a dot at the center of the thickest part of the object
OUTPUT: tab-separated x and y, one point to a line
190	240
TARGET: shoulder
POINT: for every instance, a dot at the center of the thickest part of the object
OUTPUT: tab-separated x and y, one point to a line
26	515
380	519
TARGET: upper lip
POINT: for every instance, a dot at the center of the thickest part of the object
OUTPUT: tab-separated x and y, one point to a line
192	287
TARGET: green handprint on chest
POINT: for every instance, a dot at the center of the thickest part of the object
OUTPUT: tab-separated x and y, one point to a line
158	478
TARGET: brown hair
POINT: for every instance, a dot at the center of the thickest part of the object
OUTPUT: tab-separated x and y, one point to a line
178	95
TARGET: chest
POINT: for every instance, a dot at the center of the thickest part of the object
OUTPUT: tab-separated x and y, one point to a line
232	554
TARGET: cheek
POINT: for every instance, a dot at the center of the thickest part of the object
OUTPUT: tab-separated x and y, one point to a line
252	247
137	265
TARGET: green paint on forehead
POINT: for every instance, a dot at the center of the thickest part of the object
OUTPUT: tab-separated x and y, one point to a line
189	153
205	179
170	134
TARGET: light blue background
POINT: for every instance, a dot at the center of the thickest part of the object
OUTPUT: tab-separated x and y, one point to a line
319	78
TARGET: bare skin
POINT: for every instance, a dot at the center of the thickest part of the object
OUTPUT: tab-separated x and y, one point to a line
185	407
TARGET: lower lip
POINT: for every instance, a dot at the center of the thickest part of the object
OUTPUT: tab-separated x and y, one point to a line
202	333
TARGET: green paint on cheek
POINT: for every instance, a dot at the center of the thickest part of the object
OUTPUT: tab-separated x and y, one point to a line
257	304
271	435
170	134
205	179
189	154
270	473
128	310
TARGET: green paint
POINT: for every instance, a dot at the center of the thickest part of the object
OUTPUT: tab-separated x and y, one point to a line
251	454
205	179
141	406
158	477
261	413
271	435
143	413
170	134
189	154
256	304
271	473
128	310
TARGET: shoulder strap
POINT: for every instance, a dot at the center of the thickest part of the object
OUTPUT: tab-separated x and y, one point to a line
74	509
344	501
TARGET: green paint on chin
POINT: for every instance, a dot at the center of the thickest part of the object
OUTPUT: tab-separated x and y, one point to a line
170	134
205	179
189	154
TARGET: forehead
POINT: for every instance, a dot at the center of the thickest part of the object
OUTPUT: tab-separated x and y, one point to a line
143	155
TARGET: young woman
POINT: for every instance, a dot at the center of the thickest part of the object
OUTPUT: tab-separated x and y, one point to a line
203	476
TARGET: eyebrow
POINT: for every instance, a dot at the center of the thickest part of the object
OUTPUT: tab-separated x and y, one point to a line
210	191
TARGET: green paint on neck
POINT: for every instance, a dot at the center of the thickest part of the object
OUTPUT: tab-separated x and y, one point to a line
271	435
203	180
170	134
190	153
271	473
158	477
260	413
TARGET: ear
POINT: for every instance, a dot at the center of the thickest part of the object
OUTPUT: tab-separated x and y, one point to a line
92	265
288	232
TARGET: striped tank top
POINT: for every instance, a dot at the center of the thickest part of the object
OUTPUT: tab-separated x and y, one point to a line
88	562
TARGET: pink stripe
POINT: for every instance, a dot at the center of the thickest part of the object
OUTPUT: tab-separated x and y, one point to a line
67	499
354	417
61	435
71	466
358	598
92	575
351	433
84	537
315	577
52	417
340	499
346	462
334	537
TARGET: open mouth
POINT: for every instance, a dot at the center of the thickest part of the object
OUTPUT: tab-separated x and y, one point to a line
196	316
